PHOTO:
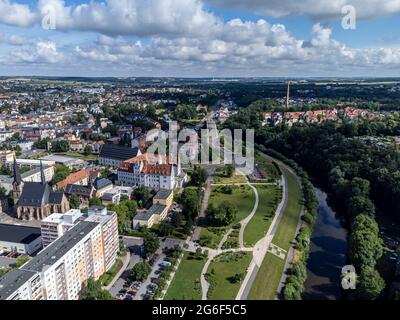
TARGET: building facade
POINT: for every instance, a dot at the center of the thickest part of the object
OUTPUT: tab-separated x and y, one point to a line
60	271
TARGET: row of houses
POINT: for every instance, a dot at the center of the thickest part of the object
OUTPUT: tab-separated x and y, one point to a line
313	116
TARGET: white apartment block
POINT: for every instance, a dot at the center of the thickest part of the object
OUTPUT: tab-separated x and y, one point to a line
63	267
56	224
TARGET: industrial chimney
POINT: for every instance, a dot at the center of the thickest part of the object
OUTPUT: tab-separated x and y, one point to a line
288	95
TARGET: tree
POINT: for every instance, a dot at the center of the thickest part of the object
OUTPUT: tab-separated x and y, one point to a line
150	244
360	204
198	176
230	169
190	201
222	215
142	195
198	253
94	291
95	201
125	210
238	277
140	271
370	284
176	219
74	201
60	173
20	261
165	229
88	150
185	112
366	247
60	146
105	173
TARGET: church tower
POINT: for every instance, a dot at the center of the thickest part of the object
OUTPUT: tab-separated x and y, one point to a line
42	176
18	184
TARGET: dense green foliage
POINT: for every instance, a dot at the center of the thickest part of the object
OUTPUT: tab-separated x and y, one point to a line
222	215
94	291
140	271
198	176
150	244
60	173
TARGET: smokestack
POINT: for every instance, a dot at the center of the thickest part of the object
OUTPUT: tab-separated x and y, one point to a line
288	95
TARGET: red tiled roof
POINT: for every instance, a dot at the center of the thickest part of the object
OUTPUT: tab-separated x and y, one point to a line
73	178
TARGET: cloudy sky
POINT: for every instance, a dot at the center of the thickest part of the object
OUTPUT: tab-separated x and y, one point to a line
199	38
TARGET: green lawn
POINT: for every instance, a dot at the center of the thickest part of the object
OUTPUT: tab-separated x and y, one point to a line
221	271
107	277
269	197
267	280
186	283
288	225
220	177
233	240
214	235
242	198
266	166
82	156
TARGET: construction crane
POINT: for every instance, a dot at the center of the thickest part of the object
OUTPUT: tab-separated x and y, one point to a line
288	95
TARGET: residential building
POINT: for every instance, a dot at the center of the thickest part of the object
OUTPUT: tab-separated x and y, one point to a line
6	156
157	213
114	195
84	193
57	224
59	272
102	185
109	226
81	178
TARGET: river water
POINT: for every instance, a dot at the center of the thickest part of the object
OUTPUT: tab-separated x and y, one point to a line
327	254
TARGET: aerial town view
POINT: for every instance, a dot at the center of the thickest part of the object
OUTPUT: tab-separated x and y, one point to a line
216	150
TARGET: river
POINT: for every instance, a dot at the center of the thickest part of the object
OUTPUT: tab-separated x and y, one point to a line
327	254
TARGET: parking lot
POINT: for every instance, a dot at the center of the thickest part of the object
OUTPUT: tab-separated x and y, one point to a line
123	289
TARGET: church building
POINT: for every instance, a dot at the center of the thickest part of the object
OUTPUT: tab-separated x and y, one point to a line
36	200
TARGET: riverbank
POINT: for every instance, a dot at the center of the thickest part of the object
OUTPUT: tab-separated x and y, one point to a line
328	253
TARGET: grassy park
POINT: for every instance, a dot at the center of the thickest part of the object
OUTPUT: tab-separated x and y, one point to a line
225	274
242	197
221	177
288	225
269	197
267	281
186	283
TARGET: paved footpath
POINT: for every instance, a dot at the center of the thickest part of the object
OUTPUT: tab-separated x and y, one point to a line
261	247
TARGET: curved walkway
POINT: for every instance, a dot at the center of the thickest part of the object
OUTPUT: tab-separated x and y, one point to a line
213	253
245	221
262	246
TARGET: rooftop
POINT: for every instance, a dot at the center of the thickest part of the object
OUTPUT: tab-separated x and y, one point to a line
60	247
18	234
163	194
12	281
118	152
